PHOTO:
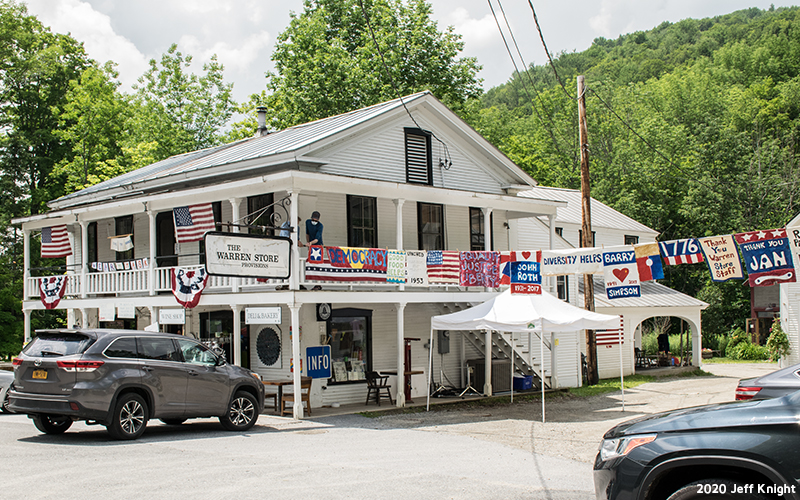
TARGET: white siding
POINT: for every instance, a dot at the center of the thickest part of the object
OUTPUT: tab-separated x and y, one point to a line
790	319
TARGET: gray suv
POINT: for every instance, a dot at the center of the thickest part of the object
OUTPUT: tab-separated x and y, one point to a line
123	378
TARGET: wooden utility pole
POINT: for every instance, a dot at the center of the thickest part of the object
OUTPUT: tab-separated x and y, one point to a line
586	230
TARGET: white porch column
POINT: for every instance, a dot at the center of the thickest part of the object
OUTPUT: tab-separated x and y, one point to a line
401	356
153	315
70	269
237	335
487	383
551	222
84	318
398	211
151	277
697	342
294	214
84	258
26	256
235	229
297	409
487	228
70	318
27	321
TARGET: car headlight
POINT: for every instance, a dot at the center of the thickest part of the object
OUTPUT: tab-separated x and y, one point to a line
256	376
618	447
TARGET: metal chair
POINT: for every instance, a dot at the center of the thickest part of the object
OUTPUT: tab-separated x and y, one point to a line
377	383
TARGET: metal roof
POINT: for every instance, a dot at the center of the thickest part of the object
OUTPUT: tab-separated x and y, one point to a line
602	214
654	295
283	141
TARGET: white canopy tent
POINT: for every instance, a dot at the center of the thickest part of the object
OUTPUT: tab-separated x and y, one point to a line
522	313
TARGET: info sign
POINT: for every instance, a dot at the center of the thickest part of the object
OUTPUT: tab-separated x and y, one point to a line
318	360
247	255
172	316
525	278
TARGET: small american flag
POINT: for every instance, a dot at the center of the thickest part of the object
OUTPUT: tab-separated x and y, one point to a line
443	266
55	242
610	337
192	222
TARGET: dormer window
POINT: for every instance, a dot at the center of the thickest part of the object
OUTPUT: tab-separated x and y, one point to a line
419	169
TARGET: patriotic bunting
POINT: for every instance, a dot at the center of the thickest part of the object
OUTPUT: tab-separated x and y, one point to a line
648	261
767	256
685	251
479	269
55	242
443	267
51	290
722	257
187	285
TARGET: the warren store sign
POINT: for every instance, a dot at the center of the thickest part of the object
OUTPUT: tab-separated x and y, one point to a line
232	254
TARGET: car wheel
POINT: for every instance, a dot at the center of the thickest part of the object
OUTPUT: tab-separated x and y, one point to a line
242	412
173	421
715	489
129	418
52	424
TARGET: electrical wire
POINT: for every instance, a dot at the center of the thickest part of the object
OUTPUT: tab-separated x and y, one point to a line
448	160
547	52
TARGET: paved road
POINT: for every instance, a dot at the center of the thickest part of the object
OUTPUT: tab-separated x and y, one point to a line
482	453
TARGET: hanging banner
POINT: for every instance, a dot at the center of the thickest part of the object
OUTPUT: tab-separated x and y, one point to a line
396	266
767	256
722	256
121	243
572	261
793	234
506	258
416	268
685	251
621	274
346	264
525	278
106	312
187	285
479	269
648	261
126	310
443	267
51	290
262	315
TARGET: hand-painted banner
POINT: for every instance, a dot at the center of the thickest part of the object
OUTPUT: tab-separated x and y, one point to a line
416	268
685	251
722	257
793	234
648	260
396	266
526	278
767	256
479	269
506	258
443	267
346	264
621	274
129	265
572	261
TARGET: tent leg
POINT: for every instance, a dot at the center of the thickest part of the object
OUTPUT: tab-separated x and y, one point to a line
430	370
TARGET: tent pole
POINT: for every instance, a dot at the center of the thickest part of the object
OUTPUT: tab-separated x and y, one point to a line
541	364
430	370
620	337
513	343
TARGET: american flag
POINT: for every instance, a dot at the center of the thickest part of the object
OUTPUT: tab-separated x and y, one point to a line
55	242
192	222
443	267
610	337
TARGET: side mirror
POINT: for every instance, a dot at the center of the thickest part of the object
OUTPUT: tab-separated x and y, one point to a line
220	361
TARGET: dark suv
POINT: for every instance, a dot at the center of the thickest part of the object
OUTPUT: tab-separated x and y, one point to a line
123	378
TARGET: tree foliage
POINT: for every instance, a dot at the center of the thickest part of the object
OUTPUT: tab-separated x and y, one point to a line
326	61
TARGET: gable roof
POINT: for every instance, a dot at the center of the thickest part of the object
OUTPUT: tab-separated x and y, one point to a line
282	146
602	215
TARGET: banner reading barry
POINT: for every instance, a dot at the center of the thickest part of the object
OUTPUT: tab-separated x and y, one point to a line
767	257
621	274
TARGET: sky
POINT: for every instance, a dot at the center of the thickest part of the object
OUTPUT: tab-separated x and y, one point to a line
242	33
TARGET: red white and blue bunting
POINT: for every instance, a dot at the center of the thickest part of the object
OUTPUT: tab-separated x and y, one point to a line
51	290
187	285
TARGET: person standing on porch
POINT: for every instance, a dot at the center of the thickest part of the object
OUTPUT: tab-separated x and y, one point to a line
314	230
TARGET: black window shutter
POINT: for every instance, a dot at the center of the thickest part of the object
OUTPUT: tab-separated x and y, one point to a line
419	169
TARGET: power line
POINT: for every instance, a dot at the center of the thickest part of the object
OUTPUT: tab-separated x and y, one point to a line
547	52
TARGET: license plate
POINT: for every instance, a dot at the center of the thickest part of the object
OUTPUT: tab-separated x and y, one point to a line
40	374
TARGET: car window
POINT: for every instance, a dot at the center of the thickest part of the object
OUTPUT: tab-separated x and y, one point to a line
122	348
158	348
57	344
196	353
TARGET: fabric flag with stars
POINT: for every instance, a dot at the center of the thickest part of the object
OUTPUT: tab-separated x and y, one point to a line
685	251
192	222
767	257
55	242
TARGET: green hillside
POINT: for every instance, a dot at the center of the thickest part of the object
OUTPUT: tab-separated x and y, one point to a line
693	130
